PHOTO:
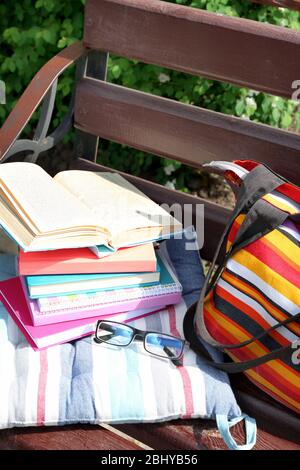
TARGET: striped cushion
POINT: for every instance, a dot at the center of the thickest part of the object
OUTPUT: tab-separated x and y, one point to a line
81	382
259	287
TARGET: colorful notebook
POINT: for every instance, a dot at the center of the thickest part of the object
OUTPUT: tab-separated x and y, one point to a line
64	308
40	337
82	261
41	286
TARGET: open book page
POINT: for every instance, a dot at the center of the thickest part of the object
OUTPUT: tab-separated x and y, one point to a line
116	204
42	204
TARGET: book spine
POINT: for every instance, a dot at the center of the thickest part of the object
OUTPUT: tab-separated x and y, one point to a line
52	304
47	318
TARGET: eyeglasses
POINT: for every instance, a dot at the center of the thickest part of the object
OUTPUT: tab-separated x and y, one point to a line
158	344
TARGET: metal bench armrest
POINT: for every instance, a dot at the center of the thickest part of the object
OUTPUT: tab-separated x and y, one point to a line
42	87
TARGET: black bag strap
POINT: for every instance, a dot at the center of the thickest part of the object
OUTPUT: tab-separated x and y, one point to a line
260	219
230	367
259	182
295	218
263	219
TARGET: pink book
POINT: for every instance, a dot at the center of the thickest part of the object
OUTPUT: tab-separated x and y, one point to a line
83	261
110	308
40	337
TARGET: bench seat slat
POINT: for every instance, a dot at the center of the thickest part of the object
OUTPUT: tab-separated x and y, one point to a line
183	132
180	435
84	437
235	50
199	435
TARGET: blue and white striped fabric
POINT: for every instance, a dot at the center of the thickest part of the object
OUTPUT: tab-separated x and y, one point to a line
81	382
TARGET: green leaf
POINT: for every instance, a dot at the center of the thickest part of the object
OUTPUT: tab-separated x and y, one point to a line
286	120
116	71
240	107
276	114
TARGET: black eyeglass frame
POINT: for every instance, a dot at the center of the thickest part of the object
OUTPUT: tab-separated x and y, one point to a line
140	336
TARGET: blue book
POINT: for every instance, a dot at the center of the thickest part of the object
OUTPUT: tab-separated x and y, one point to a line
67	284
167	291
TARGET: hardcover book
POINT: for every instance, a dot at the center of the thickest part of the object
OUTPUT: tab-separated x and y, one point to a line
64	308
64	284
40	337
140	258
77	209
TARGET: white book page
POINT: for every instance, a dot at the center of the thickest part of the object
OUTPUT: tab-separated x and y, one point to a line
40	201
116	204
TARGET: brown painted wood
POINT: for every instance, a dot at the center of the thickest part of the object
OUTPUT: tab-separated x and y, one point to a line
180	435
64	438
270	415
95	66
183	132
215	215
174	435
239	51
290	4
34	94
199	435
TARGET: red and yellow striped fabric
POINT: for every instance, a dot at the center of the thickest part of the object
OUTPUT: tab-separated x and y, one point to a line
259	287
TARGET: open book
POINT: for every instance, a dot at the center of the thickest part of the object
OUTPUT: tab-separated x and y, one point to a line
77	209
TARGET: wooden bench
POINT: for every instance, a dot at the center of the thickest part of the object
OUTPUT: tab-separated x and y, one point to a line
242	52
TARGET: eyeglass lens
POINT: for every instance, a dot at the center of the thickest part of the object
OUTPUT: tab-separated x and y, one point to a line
163	345
155	343
115	334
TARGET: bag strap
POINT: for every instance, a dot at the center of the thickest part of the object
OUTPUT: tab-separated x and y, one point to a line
230	367
295	218
259	182
264	221
260	219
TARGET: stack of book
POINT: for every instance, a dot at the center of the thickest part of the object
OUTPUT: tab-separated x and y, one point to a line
86	252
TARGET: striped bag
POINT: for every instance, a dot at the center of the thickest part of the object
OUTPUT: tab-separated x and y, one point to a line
250	305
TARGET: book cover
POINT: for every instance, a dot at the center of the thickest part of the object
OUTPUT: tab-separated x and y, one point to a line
39	286
48	310
83	261
40	337
76	209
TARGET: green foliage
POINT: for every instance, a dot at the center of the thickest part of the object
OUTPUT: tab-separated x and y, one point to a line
33	31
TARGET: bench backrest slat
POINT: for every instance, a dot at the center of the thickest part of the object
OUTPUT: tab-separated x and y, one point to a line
290	4
179	131
243	52
236	50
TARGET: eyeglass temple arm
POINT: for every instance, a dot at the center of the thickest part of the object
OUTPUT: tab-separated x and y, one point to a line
177	362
